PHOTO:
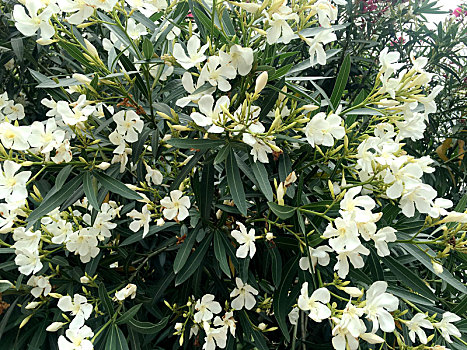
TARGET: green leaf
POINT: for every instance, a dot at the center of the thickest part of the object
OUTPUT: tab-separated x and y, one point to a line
282	211
116	186
148	49
235	183
121	341
260	342
125	317
276	265
261	175
282	302
201	144
340	84
461	307
148	327
194	261
90	190
219	252
415	298
186	169
54	201
5	286
222	155
105	300
408	277
207	190
425	260
185	250
138	236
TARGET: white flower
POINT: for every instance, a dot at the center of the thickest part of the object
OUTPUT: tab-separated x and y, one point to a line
244	294
206	308
318	255
129	125
259	149
83	243
15	137
78	307
81	10
322	129
326	11
439	207
41	286
76	339
279	30
214	337
7	217
28	261
378	305
176	206
26	239
106	5
419	195
400	174
153	176
12	183
79	113
63	153
211	115
415	327
14	111
316	50
354	255
140	220
294	316
128	291
241	59
29	25
359	207
246	241
195	53
135	31
188	85
315	304
46	137
217	73
148	7
446	327
344	235
226	321
388	61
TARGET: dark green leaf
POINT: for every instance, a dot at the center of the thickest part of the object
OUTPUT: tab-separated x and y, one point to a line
148	327
340	84
219	252
201	144
185	250
261	175
194	261
90	190
282	211
125	317
54	201
116	186
148	49
105	300
282	302
235	183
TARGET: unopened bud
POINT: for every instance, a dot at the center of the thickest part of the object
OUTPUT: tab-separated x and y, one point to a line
55	326
261	82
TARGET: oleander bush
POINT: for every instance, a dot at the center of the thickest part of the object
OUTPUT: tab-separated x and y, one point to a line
236	175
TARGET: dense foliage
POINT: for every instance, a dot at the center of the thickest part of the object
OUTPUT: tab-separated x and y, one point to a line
238	175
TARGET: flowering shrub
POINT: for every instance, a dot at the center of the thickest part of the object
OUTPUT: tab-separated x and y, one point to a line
188	183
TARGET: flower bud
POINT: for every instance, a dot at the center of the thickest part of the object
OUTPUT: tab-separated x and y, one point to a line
26	320
437	267
269	236
92	50
103	166
261	82
32	305
55	326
